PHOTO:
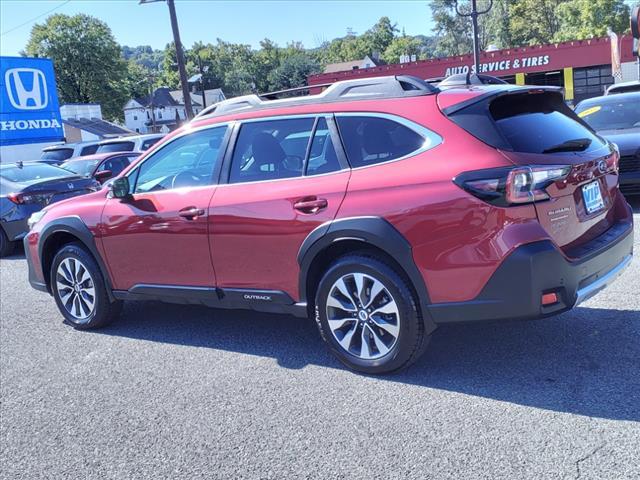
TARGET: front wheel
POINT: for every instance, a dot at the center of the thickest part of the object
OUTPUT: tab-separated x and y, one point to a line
79	289
368	315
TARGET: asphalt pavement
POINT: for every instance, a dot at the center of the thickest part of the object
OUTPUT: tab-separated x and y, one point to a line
187	392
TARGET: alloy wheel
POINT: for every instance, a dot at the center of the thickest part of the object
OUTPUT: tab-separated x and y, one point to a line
76	289
363	316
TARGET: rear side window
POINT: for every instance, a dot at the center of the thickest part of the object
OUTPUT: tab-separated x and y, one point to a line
270	150
89	150
369	140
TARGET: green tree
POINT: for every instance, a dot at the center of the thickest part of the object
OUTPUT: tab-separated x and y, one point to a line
534	22
87	61
404	45
580	19
293	72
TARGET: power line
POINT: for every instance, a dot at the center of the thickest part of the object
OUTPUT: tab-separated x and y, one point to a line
34	18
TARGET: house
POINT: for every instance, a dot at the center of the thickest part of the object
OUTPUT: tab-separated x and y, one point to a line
366	62
83	122
164	109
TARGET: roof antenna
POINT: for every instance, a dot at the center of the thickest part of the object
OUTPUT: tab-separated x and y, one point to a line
468	81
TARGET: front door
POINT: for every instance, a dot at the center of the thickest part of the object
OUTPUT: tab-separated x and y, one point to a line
285	179
160	235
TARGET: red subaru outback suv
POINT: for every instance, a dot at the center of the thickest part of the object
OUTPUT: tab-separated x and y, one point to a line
380	207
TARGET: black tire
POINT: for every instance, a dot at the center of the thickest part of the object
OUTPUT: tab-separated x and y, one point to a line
103	310
6	246
411	340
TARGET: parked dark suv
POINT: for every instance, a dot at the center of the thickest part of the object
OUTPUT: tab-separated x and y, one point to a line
381	208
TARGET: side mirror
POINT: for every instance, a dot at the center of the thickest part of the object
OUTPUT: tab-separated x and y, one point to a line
120	187
103	175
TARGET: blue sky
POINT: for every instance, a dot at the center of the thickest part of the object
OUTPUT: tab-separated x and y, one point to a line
235	21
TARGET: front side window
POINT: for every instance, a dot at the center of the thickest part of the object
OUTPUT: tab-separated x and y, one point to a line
270	150
369	140
115	165
188	161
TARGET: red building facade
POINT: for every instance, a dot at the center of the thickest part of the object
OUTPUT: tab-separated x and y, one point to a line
581	67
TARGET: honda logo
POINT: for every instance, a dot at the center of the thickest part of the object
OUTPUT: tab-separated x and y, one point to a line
26	88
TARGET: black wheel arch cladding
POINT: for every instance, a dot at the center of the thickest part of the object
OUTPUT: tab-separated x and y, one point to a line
368	230
75	227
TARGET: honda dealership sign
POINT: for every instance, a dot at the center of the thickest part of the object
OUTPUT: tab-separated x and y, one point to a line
29	110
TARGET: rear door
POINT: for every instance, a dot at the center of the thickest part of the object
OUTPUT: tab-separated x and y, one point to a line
285	177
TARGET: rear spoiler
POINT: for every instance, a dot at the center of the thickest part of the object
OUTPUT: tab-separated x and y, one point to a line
499	91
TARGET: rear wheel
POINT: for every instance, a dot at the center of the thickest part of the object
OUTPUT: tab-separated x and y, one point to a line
6	246
368	315
79	289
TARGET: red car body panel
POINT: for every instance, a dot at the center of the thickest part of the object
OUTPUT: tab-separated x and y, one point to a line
257	232
146	241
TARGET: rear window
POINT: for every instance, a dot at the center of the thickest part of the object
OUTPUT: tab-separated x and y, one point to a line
57	155
611	113
32	172
116	147
528	123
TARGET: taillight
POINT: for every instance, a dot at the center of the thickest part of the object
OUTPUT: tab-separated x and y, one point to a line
28	198
512	186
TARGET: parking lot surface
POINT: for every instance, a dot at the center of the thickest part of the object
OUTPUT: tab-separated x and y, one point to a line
186	392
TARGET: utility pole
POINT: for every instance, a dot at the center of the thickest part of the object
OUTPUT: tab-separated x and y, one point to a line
474	14
179	55
204	99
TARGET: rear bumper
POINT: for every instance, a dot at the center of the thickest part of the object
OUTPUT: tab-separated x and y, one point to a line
515	290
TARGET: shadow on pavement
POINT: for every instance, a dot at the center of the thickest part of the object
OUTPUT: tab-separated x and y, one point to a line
635	203
585	362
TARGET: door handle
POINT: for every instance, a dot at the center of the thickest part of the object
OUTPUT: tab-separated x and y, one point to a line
311	205
191	212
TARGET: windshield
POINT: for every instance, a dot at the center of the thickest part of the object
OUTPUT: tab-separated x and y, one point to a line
32	172
116	147
611	113
81	167
59	154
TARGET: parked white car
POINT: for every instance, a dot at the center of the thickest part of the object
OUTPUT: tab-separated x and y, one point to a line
56	154
134	143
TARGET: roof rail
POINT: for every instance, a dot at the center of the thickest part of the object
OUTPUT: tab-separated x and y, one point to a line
277	93
469	78
357	89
